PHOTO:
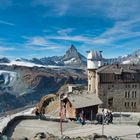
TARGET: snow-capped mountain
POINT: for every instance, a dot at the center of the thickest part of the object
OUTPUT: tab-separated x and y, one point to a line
74	58
71	58
4	60
133	58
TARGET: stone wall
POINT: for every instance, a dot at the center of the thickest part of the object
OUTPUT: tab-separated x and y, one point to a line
123	96
17	119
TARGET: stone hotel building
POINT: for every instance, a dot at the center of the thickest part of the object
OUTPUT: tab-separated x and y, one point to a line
118	86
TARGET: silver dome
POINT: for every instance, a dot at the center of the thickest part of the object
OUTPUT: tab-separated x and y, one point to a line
95	55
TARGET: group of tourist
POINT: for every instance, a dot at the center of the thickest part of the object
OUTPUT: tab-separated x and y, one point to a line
101	118
81	117
105	118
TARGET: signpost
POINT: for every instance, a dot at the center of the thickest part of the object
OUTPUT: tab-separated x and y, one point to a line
61	115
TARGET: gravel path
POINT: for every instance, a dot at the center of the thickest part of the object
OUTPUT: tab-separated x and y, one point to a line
29	128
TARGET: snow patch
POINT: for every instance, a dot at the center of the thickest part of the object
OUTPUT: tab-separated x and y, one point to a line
5	119
28	64
70	61
9	76
126	62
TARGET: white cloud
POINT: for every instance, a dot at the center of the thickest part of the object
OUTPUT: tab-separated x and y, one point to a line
46	48
80	38
65	31
40	43
115	9
6	23
2	48
121	30
37	41
62	9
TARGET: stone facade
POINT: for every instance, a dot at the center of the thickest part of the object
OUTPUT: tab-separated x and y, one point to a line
118	86
119	98
91	80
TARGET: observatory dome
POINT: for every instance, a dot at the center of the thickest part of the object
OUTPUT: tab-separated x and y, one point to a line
94	55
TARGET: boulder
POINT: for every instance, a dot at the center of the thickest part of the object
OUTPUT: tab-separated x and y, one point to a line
139	123
23	138
40	135
65	138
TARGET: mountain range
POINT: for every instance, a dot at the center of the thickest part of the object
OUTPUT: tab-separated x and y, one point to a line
73	58
133	58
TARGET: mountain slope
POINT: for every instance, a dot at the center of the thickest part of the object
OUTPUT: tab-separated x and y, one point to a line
28	84
74	58
4	60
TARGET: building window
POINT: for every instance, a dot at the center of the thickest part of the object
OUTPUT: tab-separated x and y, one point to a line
128	104
132	94
125	104
117	77
132	104
135	93
128	94
127	86
89	87
135	86
125	94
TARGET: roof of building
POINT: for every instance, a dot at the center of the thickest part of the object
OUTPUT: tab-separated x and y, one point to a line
119	68
84	100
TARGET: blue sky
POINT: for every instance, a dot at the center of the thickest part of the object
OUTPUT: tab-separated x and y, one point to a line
38	28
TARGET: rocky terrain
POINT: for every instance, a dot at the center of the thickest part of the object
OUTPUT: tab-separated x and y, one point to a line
20	85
